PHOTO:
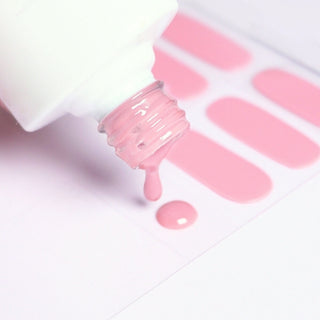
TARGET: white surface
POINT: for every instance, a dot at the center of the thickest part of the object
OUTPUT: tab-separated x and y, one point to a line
288	26
66	252
267	270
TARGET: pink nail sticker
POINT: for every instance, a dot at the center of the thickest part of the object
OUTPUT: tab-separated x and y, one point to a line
181	81
292	93
205	43
263	132
176	215
222	171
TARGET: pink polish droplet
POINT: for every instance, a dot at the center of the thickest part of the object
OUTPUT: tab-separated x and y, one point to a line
176	215
142	129
152	184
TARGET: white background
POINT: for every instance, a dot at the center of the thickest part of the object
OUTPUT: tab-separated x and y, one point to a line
289	26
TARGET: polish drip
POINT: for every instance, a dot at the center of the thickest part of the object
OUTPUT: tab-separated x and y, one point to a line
143	129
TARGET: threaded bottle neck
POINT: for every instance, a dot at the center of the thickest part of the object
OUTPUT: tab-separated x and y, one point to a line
143	124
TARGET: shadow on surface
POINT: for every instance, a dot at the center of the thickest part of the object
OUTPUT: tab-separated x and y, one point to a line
74	148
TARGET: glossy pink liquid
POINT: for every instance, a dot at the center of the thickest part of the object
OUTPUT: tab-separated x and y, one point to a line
142	129
176	215
152	185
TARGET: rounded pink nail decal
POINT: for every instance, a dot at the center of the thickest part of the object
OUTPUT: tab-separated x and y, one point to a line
176	215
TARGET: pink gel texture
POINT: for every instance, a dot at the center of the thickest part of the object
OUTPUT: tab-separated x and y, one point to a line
205	43
291	92
176	215
222	171
142	129
152	184
181	81
263	132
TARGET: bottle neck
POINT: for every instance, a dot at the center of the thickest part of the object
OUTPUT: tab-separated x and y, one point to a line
143	124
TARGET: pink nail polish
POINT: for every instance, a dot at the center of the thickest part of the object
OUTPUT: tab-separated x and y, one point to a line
143	129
